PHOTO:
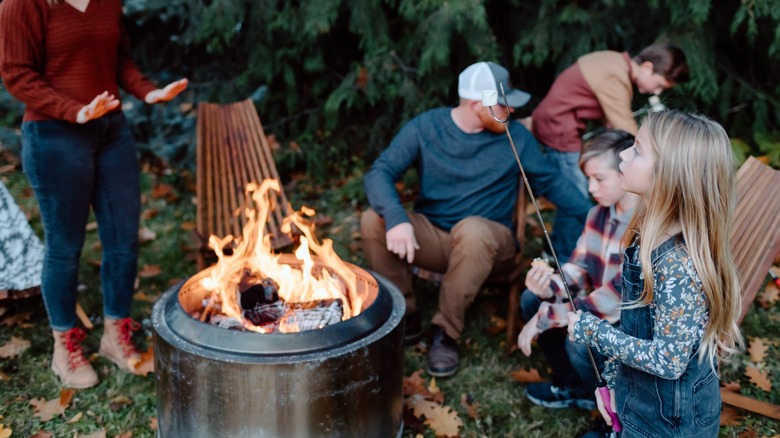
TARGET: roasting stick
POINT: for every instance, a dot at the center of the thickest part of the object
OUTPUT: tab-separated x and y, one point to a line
489	99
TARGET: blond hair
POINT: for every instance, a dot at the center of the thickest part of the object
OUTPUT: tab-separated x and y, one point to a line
694	185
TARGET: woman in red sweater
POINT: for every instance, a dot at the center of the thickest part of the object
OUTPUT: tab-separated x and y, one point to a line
66	60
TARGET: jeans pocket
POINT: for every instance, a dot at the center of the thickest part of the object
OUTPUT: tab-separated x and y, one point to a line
706	400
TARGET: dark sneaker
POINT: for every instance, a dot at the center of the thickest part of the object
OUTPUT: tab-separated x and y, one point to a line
443	355
600	430
412	328
550	396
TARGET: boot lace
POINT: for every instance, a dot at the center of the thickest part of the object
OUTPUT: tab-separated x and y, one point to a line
126	328
73	339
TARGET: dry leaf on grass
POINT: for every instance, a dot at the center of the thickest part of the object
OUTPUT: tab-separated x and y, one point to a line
76	417
443	420
526	376
146	364
759	377
415	385
146	235
149	271
14	347
153	423
125	435
5	432
188	226
141	296
730	416
165	191
18	319
757	350
99	434
471	406
769	296
497	325
48	409
118	402
150	213
42	434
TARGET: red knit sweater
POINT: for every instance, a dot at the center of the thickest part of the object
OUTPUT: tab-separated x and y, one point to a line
57	59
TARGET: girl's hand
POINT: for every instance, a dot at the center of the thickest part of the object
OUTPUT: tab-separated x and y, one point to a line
527	335
537	280
100	105
602	409
166	94
573	317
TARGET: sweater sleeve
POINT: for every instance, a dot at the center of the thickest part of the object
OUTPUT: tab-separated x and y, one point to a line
130	77
387	169
21	60
615	99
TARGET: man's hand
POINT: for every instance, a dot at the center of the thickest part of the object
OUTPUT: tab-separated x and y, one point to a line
537	280
166	94
401	241
529	333
100	105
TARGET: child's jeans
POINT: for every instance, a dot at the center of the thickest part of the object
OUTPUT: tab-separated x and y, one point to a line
569	361
72	167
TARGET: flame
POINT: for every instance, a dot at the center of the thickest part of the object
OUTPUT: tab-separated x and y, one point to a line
326	278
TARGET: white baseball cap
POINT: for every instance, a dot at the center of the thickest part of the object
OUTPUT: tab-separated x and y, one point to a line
486	76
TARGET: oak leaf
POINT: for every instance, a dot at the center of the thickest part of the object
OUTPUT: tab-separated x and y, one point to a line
415	385
526	376
769	296
14	347
443	420
757	350
146	364
42	434
48	409
497	325
149	271
759	377
471	406
5	432
18	319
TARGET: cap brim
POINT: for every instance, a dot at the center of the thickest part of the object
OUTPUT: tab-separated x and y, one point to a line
516	98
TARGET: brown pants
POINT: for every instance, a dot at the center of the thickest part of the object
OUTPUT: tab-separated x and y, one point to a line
466	255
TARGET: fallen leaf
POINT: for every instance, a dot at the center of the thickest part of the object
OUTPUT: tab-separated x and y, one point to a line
48	409
497	325
92	226
757	350
99	434
415	384
76	418
432	387
165	191
149	271
117	403
42	434
66	395
468	403
769	296
14	347
146	235
141	296
443	420
188	226
95	263
153	423
17	319
4	377
730	416
526	376
125	435
150	213
759	377
146	364
5	432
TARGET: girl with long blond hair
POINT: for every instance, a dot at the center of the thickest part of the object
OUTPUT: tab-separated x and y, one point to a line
681	296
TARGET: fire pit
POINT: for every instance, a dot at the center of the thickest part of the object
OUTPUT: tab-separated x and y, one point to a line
341	380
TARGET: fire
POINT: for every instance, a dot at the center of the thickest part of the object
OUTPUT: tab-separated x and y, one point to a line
326	277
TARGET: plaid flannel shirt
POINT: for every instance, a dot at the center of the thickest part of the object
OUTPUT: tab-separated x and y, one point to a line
594	265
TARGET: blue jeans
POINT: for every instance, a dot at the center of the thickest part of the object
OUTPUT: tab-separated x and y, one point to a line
569	163
569	362
72	167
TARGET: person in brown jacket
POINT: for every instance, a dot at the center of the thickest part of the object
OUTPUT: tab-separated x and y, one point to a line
600	87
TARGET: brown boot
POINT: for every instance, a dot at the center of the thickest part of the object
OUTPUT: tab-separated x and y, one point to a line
68	361
117	343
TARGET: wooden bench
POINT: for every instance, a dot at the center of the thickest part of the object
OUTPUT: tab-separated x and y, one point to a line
232	151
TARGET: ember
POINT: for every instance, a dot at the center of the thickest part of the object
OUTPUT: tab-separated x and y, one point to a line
254	289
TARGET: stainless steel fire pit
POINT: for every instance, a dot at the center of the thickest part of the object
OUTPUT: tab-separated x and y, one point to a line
343	380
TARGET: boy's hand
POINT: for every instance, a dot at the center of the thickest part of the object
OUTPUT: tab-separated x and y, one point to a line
401	241
166	94
603	409
537	280
529	333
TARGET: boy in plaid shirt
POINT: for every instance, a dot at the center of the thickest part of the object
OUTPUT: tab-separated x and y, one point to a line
593	266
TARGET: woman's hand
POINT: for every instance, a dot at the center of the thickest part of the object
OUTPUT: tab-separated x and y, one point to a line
100	105
573	318
166	94
527	335
537	280
603	409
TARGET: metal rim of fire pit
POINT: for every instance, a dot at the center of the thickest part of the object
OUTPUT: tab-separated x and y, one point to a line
378	308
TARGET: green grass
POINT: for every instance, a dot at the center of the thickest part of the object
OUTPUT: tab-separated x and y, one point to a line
503	410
